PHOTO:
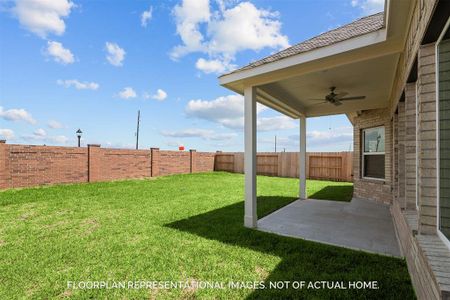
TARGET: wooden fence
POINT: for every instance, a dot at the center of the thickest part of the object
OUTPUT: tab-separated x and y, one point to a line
336	166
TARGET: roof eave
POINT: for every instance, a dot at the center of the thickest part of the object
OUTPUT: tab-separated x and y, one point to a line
361	41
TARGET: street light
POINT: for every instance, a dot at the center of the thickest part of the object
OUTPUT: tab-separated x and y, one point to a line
79	133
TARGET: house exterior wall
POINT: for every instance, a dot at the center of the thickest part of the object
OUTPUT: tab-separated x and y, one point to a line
401	188
378	190
427	139
410	146
412	171
411	134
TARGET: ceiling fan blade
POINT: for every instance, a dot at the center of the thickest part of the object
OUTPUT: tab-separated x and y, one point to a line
337	103
341	95
319	103
353	98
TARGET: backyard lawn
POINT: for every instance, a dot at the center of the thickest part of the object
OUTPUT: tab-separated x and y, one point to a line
175	228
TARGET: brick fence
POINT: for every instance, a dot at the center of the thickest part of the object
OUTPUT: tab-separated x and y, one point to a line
24	165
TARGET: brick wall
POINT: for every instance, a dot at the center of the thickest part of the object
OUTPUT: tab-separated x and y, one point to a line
378	190
401	191
427	138
422	277
41	165
174	162
203	162
410	145
24	165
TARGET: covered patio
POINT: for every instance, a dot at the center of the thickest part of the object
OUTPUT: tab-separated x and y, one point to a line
360	224
349	70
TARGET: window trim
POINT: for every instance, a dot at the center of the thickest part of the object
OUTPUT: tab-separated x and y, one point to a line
444	239
363	153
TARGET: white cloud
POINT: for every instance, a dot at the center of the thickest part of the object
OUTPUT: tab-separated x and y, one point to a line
6	134
368	7
216	66
205	134
225	32
229	112
160	95
16	114
40	135
58	139
55	124
116	55
246	27
188	15
40	132
275	123
59	53
337	139
127	93
146	16
119	145
337	135
78	84
43	16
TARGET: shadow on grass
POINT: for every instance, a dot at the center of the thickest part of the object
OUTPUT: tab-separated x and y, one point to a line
301	260
334	192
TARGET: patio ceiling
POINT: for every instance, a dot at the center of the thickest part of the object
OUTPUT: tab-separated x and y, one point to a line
371	78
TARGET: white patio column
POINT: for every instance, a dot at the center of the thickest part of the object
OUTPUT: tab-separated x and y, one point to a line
250	218
302	158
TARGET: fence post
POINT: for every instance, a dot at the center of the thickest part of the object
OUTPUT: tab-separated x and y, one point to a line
154	162
4	165
94	172
192	154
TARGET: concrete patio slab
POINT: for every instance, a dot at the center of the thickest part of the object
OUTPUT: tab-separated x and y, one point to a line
360	224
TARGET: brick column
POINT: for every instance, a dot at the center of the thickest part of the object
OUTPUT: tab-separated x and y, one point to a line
4	165
395	157
410	145
401	156
155	161
193	157
427	139
94	171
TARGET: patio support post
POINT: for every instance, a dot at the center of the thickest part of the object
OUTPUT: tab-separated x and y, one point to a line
250	218
302	158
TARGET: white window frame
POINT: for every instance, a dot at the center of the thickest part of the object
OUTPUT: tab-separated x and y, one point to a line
438	149
363	153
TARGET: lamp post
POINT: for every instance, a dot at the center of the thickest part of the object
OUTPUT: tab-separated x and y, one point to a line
79	133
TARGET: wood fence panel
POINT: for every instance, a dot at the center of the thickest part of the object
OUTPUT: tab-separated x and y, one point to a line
239	163
267	164
336	166
224	162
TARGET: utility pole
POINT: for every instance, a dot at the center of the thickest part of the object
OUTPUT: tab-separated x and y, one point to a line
137	130
275	143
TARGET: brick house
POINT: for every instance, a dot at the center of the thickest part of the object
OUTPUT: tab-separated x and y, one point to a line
390	74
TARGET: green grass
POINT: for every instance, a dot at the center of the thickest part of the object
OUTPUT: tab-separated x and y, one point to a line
185	227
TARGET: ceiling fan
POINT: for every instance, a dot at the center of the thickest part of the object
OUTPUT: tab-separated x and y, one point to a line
337	99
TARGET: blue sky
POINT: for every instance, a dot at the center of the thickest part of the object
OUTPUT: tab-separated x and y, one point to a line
75	64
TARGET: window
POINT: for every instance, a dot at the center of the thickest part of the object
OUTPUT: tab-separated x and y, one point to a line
443	131
373	153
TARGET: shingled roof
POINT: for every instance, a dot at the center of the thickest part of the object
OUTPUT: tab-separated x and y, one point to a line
356	28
